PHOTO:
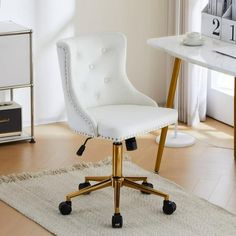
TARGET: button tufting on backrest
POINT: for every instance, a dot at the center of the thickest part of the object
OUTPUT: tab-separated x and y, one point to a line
91	67
107	80
84	86
98	66
97	95
104	50
93	75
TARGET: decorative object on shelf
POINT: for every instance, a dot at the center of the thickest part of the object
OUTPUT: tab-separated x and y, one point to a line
219	20
16	66
10	119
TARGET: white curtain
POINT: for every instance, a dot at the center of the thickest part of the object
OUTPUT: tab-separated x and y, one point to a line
192	89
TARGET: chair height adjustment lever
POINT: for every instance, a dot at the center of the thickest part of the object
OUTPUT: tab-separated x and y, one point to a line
131	144
82	147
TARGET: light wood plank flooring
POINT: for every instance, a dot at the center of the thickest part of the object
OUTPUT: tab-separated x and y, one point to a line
207	169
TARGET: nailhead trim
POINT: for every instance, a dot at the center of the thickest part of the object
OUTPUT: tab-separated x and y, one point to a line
71	98
140	133
128	136
87	119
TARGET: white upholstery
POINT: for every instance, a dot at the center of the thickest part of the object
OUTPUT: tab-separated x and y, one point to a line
119	122
100	100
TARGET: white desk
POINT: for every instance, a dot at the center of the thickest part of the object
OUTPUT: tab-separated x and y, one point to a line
200	55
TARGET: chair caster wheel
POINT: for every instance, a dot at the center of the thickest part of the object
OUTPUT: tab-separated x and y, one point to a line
84	185
65	207
117	220
150	185
168	207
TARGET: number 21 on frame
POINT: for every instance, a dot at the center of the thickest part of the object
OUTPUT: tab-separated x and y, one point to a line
228	27
211	25
223	28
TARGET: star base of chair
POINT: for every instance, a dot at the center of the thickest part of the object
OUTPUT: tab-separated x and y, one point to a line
116	180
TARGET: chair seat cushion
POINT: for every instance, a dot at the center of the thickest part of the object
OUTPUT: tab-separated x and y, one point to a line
120	122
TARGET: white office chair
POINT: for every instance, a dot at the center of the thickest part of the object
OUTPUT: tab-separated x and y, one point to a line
101	102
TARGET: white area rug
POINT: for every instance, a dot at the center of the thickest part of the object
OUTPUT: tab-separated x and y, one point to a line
37	196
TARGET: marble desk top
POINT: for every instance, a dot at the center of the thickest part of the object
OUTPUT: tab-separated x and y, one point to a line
200	55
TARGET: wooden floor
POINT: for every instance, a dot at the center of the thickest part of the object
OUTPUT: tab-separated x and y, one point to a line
207	169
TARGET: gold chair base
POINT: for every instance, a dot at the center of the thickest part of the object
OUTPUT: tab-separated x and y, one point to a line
116	180
116	183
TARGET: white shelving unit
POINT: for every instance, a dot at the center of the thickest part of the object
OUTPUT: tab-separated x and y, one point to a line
16	68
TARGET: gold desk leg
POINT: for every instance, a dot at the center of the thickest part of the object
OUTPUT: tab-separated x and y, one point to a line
234	117
169	104
103	184
146	189
96	178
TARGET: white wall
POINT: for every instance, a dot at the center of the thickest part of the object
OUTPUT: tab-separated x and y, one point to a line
55	19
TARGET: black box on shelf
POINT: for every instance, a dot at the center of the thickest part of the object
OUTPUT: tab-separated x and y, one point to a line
10	119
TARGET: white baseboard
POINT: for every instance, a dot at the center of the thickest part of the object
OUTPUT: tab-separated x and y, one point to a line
44	122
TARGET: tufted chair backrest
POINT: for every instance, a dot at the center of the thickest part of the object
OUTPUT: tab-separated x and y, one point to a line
97	64
93	69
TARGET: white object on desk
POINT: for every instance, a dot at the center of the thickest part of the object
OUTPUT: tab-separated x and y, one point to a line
234	10
211	24
221	7
217	7
193	39
227	51
219	20
228	30
213	7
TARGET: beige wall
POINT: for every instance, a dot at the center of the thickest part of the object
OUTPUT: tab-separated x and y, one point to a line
52	20
139	20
